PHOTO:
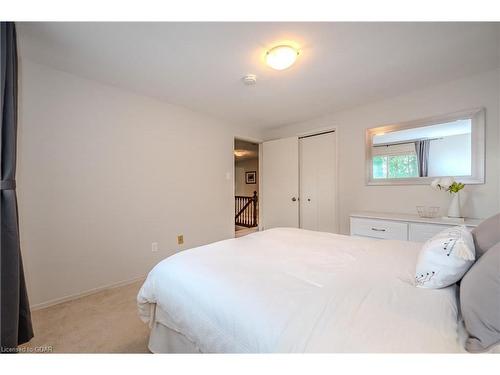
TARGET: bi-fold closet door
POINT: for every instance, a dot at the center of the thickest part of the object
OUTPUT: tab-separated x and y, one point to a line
299	182
317	182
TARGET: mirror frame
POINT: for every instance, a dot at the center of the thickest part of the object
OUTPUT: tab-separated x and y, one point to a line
477	115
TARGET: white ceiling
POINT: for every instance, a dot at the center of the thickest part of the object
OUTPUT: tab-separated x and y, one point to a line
199	65
446	129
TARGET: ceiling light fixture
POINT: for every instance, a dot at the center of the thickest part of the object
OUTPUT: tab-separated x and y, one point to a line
281	57
241	153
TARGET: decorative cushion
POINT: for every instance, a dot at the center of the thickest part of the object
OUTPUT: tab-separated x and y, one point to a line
487	234
480	302
445	258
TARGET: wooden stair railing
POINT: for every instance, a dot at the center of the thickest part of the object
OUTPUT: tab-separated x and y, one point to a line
246	210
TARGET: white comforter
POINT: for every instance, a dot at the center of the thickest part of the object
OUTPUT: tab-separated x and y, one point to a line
292	290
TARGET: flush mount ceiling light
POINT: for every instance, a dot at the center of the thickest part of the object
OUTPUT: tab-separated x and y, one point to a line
281	57
239	153
243	153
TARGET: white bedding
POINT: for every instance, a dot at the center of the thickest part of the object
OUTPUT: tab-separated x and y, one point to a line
292	290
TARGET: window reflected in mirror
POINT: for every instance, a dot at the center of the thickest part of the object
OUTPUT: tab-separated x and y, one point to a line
427	151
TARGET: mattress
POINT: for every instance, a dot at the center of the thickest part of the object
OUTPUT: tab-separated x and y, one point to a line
293	290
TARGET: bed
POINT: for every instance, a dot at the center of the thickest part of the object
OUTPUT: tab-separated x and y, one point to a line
293	290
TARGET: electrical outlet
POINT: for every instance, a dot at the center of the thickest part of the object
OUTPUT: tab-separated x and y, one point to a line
180	239
154	247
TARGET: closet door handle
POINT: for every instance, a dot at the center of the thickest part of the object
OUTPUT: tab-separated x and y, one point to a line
294	199
378	230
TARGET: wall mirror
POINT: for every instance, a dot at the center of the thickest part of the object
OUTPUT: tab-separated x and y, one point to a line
417	152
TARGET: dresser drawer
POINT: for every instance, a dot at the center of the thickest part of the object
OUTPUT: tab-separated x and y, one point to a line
383	229
422	232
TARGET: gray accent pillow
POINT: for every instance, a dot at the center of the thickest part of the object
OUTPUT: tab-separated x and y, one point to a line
486	235
480	302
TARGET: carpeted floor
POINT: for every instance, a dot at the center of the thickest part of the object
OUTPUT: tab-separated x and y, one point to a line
105	322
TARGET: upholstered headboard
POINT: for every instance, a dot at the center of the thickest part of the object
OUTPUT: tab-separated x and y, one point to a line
486	235
480	289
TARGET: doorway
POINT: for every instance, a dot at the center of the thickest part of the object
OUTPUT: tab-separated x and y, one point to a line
246	187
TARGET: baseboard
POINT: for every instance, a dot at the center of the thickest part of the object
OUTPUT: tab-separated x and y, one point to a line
71	297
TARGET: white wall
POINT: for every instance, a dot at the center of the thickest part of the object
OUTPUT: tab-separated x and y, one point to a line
102	173
450	156
475	91
240	185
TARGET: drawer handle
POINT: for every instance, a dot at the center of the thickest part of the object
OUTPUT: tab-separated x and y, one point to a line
378	230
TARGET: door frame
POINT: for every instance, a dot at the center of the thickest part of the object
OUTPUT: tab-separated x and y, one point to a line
259	177
336	167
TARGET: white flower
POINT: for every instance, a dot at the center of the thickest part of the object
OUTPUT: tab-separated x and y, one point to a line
446	182
442	183
435	184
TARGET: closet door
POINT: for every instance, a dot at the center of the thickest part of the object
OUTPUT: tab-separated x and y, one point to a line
280	183
318	183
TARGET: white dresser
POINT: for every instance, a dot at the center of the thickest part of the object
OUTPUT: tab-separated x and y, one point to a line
400	226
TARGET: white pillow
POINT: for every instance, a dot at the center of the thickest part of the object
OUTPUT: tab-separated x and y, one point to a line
445	258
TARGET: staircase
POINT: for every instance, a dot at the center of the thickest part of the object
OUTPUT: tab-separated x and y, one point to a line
246	208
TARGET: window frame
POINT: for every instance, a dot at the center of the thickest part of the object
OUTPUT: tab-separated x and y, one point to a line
388	156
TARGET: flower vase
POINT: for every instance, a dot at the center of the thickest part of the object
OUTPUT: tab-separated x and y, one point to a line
454	210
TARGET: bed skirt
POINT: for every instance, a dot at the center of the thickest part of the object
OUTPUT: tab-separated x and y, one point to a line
164	339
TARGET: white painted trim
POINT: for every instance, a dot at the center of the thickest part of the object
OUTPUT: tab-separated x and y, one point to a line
248	139
260	187
72	297
337	185
259	176
233	175
317	131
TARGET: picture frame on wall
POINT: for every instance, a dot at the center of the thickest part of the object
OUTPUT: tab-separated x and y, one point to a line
251	177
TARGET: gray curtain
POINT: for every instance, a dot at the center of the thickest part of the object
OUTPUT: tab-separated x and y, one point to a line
15	319
422	150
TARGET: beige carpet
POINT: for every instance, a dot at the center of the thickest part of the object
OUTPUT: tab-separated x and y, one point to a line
243	231
104	322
